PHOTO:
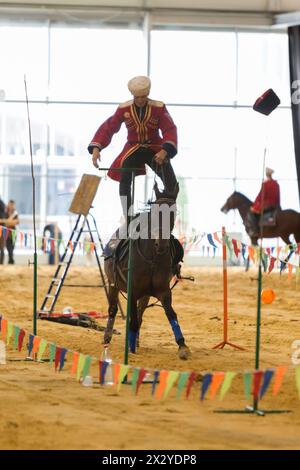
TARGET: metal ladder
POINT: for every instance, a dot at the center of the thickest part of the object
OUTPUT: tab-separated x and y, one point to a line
63	266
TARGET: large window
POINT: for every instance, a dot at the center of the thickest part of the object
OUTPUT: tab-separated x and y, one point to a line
19	187
94	64
24	51
209	81
193	67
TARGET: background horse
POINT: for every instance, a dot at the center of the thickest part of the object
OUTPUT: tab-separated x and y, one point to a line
152	271
2	238
287	221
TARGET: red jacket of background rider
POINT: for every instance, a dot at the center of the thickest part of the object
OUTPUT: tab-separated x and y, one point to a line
270	192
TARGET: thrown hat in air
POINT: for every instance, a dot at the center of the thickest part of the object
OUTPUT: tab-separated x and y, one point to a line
267	102
139	86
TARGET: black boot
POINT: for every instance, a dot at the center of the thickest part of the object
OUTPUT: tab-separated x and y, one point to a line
252	224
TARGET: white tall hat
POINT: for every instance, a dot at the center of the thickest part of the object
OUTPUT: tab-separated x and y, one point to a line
139	86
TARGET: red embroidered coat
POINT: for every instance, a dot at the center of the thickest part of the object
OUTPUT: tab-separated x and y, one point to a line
271	194
154	130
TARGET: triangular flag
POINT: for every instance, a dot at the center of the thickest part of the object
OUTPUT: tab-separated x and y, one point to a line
266	382
57	357
10	329
155	381
247	379
20	340
140	379
16	336
13	236
205	384
257	377
272	264
282	265
123	372
171	379
228	244
62	358
134	378
279	374
30	344
86	367
235	248
265	258
52	350
36	343
216	382
243	249
162	383
42	349
74	362
229	376
251	253
191	380
210	239
117	368
217	238
3	328
181	383
80	365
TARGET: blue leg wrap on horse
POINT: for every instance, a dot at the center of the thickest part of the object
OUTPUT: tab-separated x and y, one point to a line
132	335
176	329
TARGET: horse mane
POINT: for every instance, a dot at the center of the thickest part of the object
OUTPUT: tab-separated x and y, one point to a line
245	198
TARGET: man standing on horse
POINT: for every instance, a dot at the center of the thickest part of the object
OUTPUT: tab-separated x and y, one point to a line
268	198
145	119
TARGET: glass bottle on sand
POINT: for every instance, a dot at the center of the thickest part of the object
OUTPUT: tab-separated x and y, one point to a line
106	356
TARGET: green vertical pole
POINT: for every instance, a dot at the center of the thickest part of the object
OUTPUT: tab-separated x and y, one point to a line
35	294
258	319
129	275
259	283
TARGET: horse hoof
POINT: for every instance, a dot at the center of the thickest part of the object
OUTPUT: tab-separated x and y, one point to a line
107	339
184	353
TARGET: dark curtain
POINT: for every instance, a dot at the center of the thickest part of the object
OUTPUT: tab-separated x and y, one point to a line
294	56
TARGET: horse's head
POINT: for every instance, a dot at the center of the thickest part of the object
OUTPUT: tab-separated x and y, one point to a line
163	214
231	203
236	201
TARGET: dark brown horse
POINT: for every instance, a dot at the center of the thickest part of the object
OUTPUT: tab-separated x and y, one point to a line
153	268
287	221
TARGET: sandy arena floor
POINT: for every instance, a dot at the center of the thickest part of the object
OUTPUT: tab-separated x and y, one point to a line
41	409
